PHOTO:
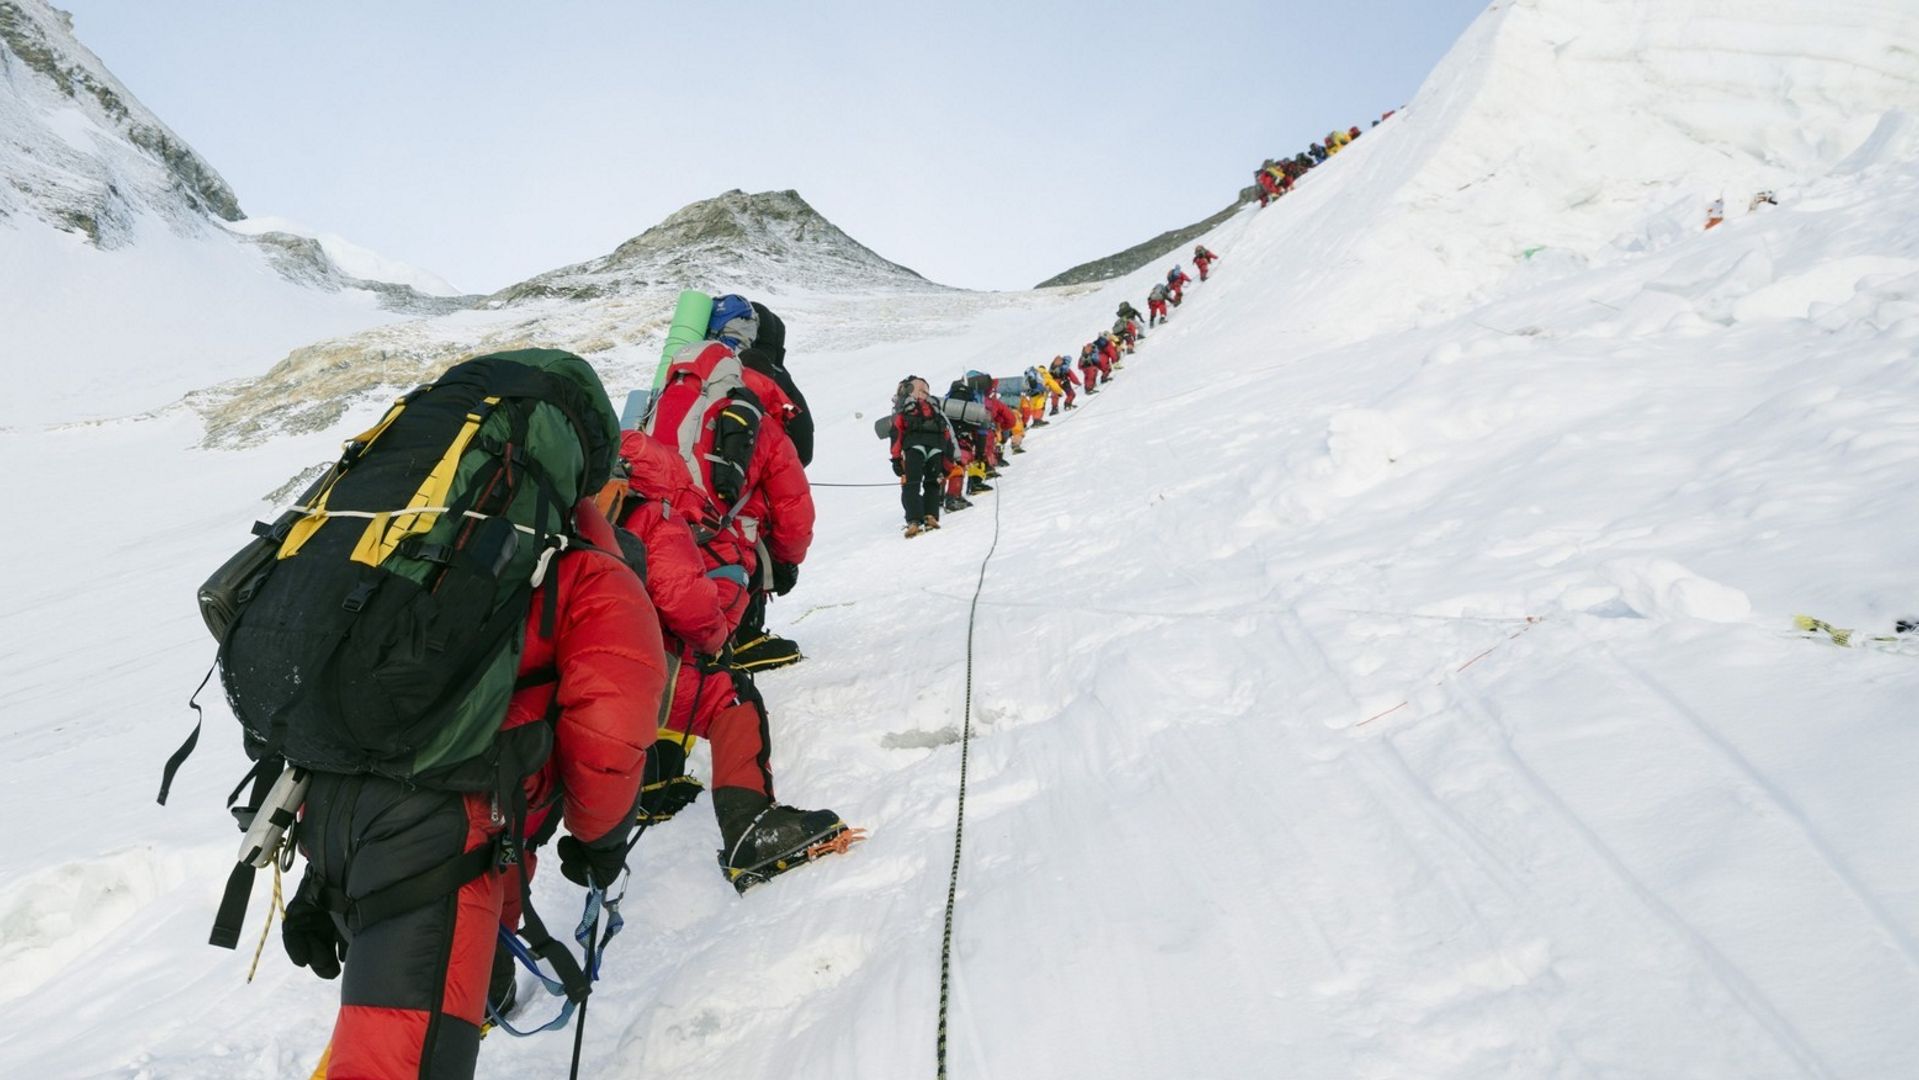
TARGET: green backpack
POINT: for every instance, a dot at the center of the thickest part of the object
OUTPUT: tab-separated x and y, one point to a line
376	627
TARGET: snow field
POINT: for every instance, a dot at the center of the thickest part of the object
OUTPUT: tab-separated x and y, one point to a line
1250	795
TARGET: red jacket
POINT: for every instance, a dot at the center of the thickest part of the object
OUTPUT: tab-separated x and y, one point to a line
655	472
779	407
1002	414
779	499
608	671
688	602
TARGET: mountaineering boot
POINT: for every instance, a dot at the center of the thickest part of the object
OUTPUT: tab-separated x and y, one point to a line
976	486
1043	423
914	528
931	522
766	652
761	839
991	473
954	504
1070	405
1019	449
665	789
501	992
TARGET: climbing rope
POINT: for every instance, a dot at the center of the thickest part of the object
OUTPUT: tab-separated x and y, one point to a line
1531	621
959	821
279	907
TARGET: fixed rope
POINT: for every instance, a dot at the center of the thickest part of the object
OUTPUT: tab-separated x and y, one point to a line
959	821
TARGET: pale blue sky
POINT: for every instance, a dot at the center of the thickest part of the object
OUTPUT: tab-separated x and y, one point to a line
986	145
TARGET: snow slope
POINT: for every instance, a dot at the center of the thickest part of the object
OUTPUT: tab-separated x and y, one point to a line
352	259
1271	775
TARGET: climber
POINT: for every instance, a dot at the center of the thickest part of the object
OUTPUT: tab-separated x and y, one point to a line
1203	260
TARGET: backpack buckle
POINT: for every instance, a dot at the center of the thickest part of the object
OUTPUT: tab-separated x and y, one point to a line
357	599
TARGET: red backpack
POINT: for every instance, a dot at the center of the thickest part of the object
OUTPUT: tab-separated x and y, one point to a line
706	414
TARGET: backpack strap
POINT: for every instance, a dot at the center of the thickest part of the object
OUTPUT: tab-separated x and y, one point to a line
409	893
539	942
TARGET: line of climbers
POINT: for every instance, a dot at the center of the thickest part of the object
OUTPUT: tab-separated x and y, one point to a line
966	438
1276	178
495	615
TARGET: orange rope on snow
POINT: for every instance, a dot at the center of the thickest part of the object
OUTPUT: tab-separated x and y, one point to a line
1531	621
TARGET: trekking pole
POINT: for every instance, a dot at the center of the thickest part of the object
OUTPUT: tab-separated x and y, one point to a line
579	1022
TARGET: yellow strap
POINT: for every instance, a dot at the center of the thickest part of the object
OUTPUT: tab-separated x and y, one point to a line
385	531
319	1071
316	516
682	739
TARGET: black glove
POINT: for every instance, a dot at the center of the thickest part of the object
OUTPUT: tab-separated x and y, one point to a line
785	576
593	865
665	789
899	467
309	934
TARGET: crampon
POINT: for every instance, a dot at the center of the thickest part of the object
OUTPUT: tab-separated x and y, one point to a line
837	842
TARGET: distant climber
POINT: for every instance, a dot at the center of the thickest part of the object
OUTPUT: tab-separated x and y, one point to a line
1176	281
1716	212
1061	369
1268	186
923	446
1203	260
1089	368
1155	306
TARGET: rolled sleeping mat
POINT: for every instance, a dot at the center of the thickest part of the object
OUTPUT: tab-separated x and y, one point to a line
637	402
690	316
960	412
965	412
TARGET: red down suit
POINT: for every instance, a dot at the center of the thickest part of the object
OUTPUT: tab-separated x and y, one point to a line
699	591
414	985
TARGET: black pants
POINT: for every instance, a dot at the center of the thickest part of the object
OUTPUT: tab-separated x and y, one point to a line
925	481
411	997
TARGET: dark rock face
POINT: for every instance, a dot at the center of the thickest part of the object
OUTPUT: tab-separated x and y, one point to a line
1166	243
49	64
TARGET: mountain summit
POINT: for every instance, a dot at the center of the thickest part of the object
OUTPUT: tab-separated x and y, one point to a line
773	241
